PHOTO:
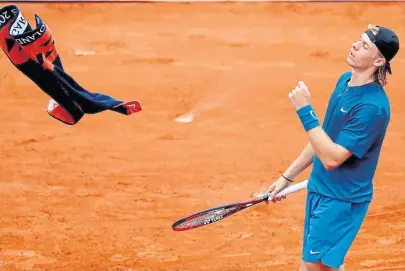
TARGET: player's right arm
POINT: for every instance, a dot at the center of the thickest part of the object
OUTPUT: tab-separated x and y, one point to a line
303	161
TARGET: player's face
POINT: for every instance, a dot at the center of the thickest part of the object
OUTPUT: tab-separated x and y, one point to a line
364	54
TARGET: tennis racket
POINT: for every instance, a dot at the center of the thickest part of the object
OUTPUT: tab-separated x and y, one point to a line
212	215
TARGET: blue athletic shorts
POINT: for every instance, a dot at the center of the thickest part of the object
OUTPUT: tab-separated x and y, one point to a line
330	228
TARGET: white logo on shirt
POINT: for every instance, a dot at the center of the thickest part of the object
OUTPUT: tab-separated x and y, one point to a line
314	252
343	110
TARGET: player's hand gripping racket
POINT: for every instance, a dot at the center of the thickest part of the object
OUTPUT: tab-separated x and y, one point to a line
215	214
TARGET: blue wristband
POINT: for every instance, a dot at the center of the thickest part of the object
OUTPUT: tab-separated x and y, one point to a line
308	118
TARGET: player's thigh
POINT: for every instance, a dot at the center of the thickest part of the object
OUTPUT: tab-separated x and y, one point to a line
327	223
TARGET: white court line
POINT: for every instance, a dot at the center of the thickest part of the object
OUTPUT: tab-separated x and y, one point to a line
385	213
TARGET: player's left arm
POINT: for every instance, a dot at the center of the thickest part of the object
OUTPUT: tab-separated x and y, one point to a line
364	125
330	153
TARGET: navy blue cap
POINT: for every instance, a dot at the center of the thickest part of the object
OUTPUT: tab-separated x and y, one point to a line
386	41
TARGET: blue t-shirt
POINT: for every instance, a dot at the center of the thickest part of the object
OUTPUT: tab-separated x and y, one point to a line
357	119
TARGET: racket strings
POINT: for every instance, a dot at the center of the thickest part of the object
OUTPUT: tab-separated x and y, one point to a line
206	218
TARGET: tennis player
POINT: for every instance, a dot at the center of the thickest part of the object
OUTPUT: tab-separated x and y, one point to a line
344	151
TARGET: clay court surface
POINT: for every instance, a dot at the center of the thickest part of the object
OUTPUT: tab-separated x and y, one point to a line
102	195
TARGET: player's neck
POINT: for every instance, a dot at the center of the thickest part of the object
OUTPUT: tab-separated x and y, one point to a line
360	78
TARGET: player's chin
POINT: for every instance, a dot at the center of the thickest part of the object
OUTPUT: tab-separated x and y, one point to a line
350	61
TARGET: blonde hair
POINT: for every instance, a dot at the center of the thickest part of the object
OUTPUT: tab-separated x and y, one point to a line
380	76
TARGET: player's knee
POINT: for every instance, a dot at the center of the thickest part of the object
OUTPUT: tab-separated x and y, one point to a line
302	266
308	266
319	266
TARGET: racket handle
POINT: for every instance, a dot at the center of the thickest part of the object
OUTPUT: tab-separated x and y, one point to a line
291	189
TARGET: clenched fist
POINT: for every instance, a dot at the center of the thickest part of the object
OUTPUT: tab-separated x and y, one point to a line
300	96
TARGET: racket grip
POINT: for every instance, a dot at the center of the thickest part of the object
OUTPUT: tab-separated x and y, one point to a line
292	188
